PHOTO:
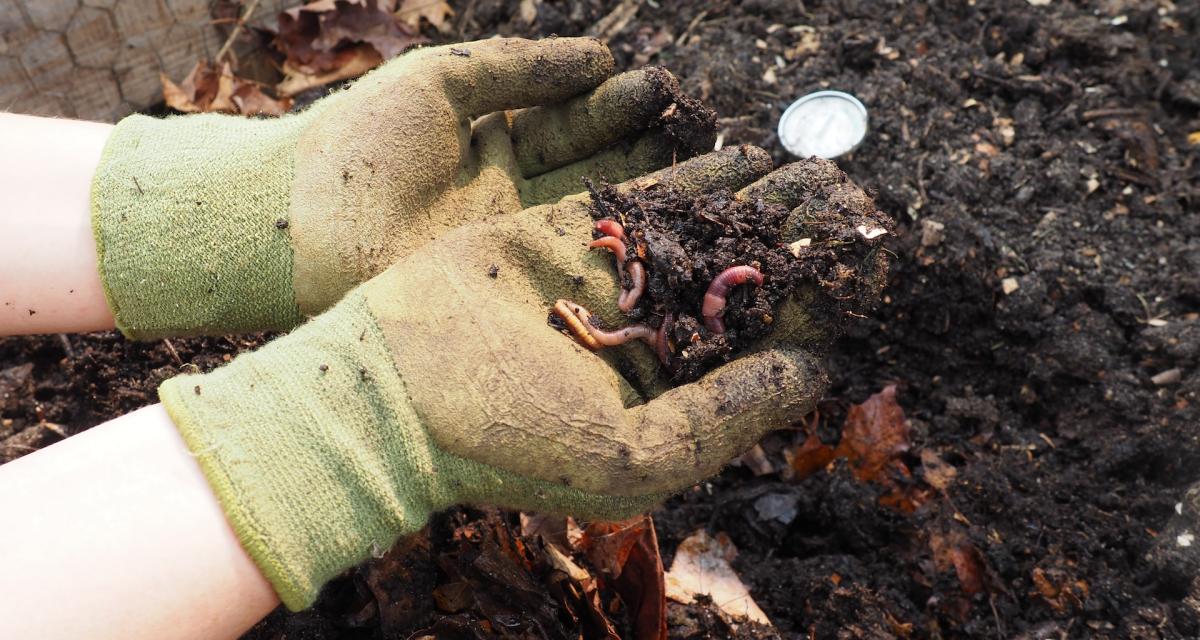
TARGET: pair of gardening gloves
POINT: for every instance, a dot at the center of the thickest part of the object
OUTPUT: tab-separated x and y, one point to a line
424	219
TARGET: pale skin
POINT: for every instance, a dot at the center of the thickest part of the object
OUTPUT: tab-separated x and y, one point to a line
113	533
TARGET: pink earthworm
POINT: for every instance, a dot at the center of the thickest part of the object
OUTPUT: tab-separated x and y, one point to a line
614	241
610	228
614	244
714	299
629	298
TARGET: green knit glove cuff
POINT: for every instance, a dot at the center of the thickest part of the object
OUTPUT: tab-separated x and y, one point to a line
318	460
311	448
190	218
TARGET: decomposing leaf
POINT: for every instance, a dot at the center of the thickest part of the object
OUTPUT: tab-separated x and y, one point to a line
330	40
626	553
399	582
953	551
701	567
874	435
1058	589
208	88
810	457
353	62
561	531
935	471
437	12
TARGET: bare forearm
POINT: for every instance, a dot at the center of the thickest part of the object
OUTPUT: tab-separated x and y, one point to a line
49	282
121	519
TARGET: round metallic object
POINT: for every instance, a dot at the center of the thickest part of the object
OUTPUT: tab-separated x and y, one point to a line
825	124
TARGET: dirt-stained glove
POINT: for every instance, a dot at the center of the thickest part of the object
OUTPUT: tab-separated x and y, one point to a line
440	382
210	224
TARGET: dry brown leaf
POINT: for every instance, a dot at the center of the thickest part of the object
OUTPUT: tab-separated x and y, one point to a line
626	553
353	62
701	567
332	40
210	89
874	435
437	12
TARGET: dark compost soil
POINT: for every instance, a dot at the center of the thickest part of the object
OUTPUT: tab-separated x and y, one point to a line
1041	323
686	244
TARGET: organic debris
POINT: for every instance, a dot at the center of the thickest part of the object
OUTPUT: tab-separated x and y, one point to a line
208	88
330	40
875	439
319	43
701	568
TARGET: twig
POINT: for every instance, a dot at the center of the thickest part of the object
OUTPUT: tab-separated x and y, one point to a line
617	19
237	29
1117	112
174	353
66	345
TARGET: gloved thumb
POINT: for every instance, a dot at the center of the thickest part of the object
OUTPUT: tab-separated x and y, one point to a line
691	431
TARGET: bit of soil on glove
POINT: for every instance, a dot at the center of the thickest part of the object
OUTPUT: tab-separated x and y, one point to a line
686	242
690	126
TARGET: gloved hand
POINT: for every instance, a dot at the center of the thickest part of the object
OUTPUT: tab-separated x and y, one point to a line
439	382
210	224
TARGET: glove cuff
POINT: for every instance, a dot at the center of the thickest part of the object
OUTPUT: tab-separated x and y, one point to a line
190	219
312	449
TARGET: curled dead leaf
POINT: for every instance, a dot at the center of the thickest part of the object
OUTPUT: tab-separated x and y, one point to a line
627	555
330	40
208	88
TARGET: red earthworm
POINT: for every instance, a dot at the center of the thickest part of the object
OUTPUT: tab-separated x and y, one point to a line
610	228
629	299
714	299
614	244
637	272
662	343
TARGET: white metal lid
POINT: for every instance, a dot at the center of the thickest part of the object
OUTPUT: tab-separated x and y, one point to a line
825	124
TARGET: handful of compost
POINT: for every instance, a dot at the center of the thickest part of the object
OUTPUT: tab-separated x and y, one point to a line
705	273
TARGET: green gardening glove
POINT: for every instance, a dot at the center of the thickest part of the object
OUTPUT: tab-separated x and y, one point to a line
439	382
211	224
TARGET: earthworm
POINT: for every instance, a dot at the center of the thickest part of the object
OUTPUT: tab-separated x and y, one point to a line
611	338
662	344
614	242
714	299
610	228
579	321
629	298
562	309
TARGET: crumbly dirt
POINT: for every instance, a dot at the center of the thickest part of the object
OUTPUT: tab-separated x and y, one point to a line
685	243
1036	160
